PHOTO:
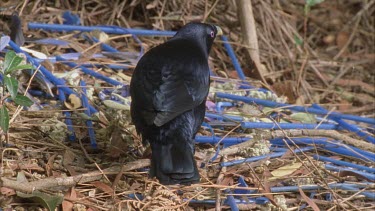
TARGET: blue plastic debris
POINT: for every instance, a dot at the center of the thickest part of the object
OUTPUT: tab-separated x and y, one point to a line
256	158
4	40
70	18
89	124
68	120
273	104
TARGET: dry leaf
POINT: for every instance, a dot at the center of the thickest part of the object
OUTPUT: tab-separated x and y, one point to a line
7	191
341	39
73	102
103	187
67	205
285	170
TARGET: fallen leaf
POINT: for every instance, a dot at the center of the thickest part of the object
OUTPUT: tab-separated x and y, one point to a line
308	200
285	170
341	39
303	117
73	102
103	187
7	191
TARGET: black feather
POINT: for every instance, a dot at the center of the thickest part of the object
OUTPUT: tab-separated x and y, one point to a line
16	34
169	88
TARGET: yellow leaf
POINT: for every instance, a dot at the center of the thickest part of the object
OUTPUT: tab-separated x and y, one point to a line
285	170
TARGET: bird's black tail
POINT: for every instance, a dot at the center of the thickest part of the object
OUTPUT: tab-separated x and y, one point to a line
173	163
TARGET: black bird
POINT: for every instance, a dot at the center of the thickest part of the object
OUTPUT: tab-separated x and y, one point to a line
169	87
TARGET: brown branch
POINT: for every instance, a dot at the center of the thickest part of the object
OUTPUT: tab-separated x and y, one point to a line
248	27
70	181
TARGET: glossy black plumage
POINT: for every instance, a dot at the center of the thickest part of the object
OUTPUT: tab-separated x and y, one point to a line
169	87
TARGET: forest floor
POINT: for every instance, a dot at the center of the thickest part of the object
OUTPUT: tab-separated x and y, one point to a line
314	55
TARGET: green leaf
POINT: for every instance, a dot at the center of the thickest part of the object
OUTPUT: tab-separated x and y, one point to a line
20	67
23	100
310	3
12	85
303	117
4	119
48	201
297	40
11	61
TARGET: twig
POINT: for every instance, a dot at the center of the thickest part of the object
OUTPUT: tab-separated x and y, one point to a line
70	181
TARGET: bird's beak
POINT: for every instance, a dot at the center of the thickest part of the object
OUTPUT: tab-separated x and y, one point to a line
219	31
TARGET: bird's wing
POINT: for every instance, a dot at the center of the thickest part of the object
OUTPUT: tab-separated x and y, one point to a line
169	80
180	91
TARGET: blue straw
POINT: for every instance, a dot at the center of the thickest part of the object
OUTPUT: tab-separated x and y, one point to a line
272	104
344	163
231	201
370	195
349	127
68	120
358	153
242	183
285	126
219	106
344	186
90	72
339	169
112	66
223	117
329	145
56	81
104	46
256	158
89	124
106	29
109	48
215	140
233	57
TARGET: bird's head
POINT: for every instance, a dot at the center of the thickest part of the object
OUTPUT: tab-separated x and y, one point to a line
202	33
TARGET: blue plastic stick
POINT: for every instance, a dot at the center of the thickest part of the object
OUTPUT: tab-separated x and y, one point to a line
352	152
284	126
233	57
85	103
90	72
242	183
318	187
259	200
220	105
68	120
256	158
364	174
329	145
109	48
112	66
344	163
56	81
344	186
231	201
214	140
370	195
104	46
223	117
273	104
106	29
349	127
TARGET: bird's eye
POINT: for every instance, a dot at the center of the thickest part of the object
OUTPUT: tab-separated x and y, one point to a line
212	34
